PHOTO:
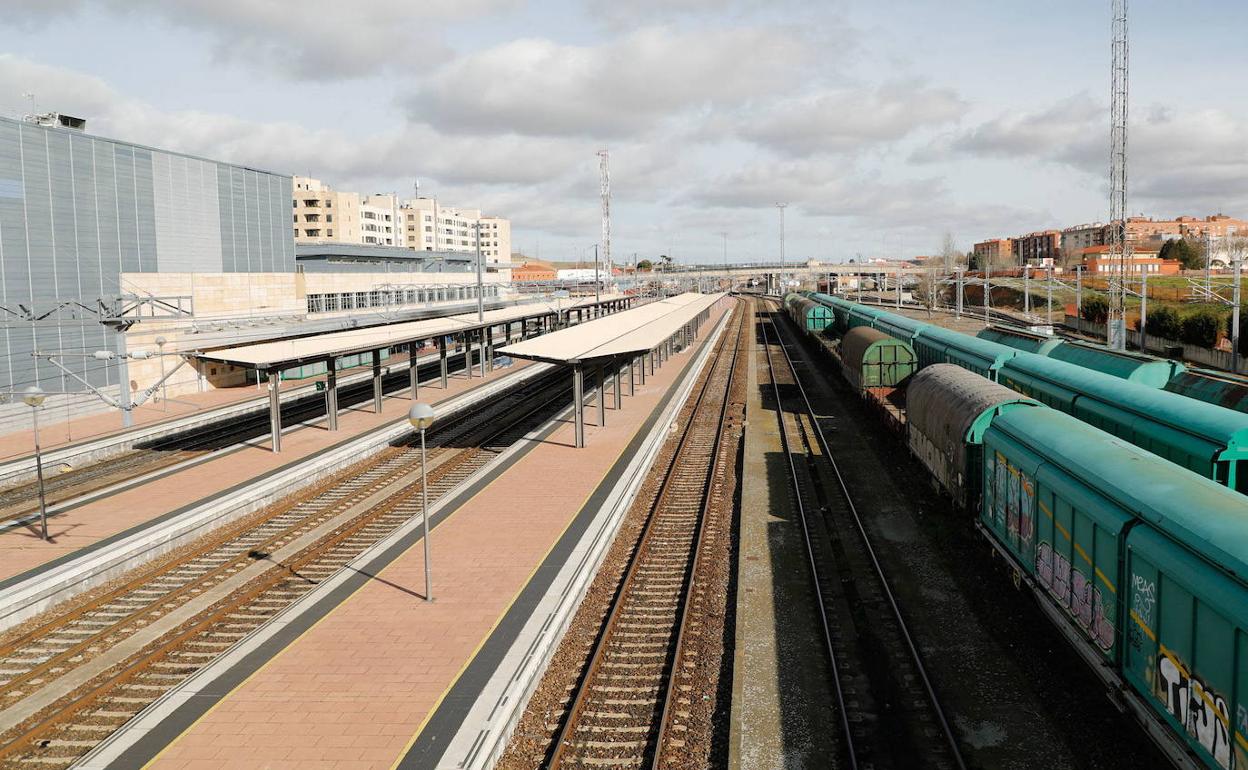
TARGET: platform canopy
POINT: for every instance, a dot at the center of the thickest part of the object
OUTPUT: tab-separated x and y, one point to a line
631	332
281	354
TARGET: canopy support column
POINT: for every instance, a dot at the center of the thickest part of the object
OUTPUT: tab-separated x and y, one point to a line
578	404
377	381
487	350
413	370
602	398
331	394
615	387
275	409
442	358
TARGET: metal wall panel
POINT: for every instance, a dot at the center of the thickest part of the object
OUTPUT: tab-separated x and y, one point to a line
77	211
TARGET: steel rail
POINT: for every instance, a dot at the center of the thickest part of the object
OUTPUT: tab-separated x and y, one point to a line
598	654
540	398
946	729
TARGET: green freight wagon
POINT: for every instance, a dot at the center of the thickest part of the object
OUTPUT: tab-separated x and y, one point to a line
1143	563
1133	367
1021	339
840	309
1213	387
811	316
947	411
899	326
872	359
1207	439
936	345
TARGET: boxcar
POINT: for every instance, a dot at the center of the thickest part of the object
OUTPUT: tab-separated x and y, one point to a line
1212	387
948	409
1207	439
872	359
1145	564
1133	367
1021	339
936	345
811	316
840	309
899	326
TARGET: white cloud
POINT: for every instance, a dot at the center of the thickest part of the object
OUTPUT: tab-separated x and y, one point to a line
620	88
845	120
308	39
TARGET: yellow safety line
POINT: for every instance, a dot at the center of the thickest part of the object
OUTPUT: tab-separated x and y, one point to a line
1082	553
1239	738
1105	580
1065	532
1139	621
1045	508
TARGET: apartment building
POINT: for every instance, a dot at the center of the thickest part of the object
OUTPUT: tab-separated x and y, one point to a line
1076	239
996	251
1039	248
322	215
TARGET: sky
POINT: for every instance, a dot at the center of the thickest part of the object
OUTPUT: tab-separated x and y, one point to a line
885	126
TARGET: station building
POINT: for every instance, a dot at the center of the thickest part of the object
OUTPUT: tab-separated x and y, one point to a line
112	254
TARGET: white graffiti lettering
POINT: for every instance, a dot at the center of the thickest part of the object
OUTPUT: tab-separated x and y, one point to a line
1202	712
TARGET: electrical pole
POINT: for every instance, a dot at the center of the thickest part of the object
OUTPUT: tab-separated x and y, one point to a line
781	206
1119	248
604	169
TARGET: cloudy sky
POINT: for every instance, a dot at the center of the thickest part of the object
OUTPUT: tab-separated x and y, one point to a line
884	124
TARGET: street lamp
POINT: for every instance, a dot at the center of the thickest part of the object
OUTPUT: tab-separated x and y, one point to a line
421	417
33	397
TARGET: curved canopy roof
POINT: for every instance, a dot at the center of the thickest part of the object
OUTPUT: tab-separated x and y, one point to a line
634	331
280	354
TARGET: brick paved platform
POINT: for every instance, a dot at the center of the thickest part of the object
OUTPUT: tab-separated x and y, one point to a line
358	687
22	550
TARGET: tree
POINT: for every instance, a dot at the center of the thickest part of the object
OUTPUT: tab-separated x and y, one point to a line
1201	329
1095	309
1164	322
1191	255
645	264
950	256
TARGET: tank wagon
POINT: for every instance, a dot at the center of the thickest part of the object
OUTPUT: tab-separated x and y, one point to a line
1212	387
811	316
871	359
1207	439
947	411
1020	339
1133	367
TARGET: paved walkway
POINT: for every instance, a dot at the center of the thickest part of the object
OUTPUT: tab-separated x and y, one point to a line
22	550
781	703
56	432
357	688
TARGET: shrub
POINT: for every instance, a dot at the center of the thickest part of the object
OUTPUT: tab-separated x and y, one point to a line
1243	330
1201	329
1164	322
1095	309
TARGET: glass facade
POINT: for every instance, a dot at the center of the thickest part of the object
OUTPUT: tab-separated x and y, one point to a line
77	211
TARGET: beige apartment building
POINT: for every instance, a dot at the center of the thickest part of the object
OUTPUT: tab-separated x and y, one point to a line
322	214
998	251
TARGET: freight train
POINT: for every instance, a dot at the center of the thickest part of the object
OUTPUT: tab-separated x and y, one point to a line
1142	563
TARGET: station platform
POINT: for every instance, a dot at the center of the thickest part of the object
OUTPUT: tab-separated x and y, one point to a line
370	675
781	697
100	520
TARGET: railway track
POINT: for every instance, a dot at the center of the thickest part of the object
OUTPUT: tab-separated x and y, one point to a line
632	704
890	715
18	502
70	679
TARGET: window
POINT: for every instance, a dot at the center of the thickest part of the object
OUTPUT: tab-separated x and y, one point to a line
329	217
428	229
329	204
329	233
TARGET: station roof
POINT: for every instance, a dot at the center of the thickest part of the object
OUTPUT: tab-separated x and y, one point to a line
634	331
280	354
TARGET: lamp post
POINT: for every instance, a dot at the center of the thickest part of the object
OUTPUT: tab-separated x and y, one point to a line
421	417
33	397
